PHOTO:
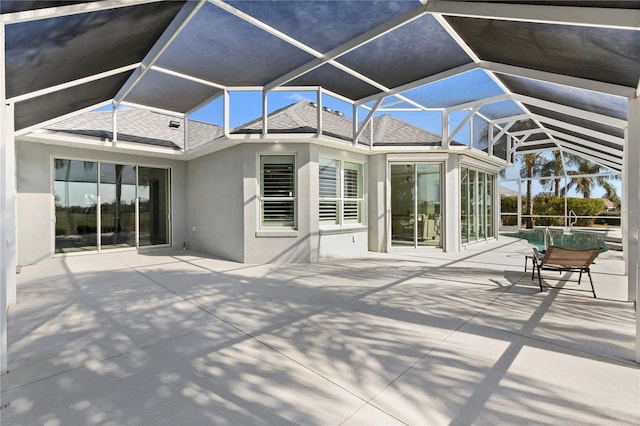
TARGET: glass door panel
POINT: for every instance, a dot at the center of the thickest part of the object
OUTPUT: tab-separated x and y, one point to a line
403	232
75	195
153	205
490	180
473	221
428	204
117	206
464	206
415	205
481	205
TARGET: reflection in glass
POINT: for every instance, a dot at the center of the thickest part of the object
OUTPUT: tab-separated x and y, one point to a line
490	183
153	200
481	205
472	206
402	204
117	206
428	205
415	220
75	195
464	206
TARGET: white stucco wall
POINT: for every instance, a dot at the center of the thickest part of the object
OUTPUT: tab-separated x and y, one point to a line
377	203
277	245
215	204
347	241
35	199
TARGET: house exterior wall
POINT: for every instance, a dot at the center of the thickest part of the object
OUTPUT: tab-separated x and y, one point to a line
377	203
343	241
277	245
35	199
215	204
451	217
216	201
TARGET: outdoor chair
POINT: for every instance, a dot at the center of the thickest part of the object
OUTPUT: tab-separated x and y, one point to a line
565	259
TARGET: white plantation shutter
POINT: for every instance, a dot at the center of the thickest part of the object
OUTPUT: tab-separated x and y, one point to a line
277	190
352	192
329	183
340	192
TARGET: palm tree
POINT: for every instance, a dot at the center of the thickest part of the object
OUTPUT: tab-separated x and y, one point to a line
587	176
553	167
530	168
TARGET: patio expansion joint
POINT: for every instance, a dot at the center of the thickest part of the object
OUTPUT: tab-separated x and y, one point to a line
265	344
426	355
114	356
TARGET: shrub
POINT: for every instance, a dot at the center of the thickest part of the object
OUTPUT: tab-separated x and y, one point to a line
554	206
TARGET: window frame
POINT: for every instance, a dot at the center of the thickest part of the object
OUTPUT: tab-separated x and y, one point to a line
262	198
342	198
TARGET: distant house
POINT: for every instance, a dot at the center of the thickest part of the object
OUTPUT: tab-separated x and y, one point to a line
302	191
609	205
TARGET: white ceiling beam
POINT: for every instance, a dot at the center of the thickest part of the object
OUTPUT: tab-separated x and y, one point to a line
583	142
42	124
507	119
187	77
579	129
456	37
70	84
476	59
422	82
592	156
204	103
461	125
504	130
366	122
68	10
561	79
357	42
478	103
188	11
267	28
626	19
154	109
576	112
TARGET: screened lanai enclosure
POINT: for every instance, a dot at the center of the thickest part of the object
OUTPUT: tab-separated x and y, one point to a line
417	106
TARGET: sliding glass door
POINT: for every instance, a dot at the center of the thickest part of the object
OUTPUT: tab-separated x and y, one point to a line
476	205
101	206
76	200
415	204
117	206
153	199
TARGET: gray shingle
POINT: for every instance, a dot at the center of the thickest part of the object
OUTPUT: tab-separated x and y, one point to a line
301	117
139	126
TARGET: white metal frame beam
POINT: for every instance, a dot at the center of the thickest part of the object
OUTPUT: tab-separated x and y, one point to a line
575	112
631	218
174	29
68	10
625	19
74	83
333	54
578	129
561	79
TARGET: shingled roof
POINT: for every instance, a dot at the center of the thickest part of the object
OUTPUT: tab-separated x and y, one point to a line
139	126
302	117
152	128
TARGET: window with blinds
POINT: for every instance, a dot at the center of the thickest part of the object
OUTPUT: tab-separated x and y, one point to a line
329	182
340	186
277	191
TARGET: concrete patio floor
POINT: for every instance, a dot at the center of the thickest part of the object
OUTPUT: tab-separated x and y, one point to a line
430	338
